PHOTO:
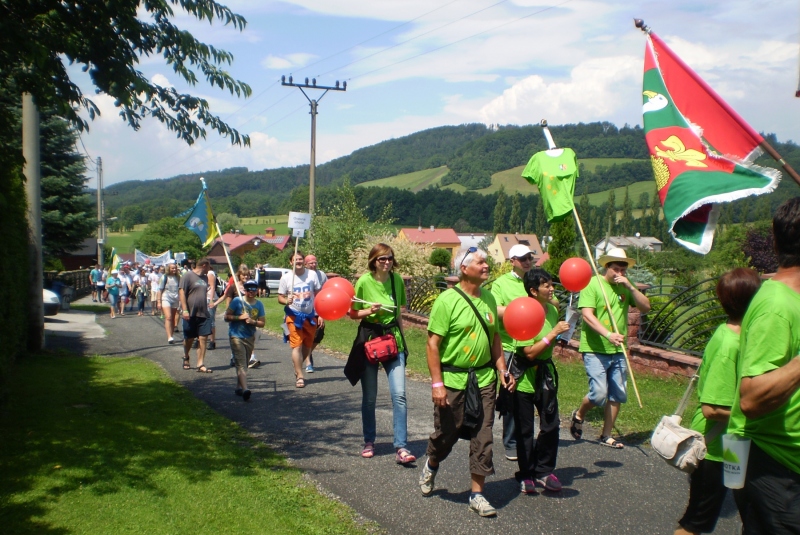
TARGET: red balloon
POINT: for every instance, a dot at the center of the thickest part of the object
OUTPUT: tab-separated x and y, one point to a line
340	283
524	318
331	304
575	274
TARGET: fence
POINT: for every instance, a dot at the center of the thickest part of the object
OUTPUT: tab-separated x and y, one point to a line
79	280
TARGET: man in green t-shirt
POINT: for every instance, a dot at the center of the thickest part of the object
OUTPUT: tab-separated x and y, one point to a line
601	346
766	408
463	351
505	289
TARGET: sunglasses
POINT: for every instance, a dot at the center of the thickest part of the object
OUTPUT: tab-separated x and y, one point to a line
385	259
526	258
469	252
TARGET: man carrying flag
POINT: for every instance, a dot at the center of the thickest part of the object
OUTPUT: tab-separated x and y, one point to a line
701	150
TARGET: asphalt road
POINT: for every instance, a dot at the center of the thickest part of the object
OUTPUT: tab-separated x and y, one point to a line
319	429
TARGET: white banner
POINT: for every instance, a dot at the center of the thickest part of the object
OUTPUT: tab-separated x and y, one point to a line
158	260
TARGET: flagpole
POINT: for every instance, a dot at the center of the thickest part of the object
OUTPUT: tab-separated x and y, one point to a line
777	157
228	258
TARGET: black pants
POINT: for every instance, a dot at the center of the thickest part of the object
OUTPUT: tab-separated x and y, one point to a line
769	503
706	496
536	457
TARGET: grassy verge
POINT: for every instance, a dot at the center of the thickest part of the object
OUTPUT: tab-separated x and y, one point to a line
98	445
97	309
659	396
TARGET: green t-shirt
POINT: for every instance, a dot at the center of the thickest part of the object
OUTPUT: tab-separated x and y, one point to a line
621	298
505	289
717	383
369	289
770	338
464	342
527	382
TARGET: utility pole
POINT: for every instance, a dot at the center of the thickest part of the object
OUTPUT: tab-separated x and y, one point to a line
33	190
313	103
101	219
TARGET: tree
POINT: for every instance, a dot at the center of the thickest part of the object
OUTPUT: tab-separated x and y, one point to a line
514	222
758	245
540	227
169	234
228	222
627	214
108	39
441	258
500	212
563	244
527	228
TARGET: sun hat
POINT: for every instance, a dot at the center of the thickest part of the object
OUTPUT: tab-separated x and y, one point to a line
518	251
616	254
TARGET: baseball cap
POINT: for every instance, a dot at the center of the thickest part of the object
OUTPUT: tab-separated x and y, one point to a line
251	285
518	251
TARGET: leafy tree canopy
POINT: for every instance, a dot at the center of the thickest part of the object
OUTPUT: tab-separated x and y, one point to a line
169	233
38	38
441	258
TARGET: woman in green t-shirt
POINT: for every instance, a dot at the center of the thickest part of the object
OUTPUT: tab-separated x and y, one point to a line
716	388
537	387
381	293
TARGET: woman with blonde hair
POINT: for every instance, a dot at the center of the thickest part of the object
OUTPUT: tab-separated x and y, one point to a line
168	295
381	293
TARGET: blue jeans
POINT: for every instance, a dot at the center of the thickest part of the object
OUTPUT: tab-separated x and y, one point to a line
396	374
608	378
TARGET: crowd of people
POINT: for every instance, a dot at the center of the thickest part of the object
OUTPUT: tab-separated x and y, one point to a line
749	380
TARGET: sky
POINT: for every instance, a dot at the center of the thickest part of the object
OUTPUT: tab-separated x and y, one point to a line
411	65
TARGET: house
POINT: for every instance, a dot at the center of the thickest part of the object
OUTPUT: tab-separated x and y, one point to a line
444	238
647	243
471	239
83	257
499	248
239	244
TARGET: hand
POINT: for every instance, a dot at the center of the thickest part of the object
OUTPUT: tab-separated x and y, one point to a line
439	395
561	327
619	279
320	322
185	313
507	380
289	298
244	316
374	308
616	339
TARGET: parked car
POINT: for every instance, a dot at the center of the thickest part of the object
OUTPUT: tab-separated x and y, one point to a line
52	303
273	276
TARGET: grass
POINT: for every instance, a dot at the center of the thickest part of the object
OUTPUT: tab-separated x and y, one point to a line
659	396
123	241
256	225
97	309
100	445
415	181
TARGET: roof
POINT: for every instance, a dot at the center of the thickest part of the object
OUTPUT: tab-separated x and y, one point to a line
642	242
507	241
234	241
426	235
471	239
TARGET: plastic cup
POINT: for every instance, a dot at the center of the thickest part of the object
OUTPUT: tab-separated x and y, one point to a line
735	451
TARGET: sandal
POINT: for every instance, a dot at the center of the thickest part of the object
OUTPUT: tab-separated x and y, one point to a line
611	443
203	369
186	365
576	427
368	451
404	457
300	383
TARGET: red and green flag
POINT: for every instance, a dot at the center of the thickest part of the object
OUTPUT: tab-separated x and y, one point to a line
701	149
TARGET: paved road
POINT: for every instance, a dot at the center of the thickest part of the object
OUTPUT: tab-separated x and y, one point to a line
319	429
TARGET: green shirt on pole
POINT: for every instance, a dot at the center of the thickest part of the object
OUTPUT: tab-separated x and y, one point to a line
527	381
770	338
505	289
621	298
369	289
717	383
464	343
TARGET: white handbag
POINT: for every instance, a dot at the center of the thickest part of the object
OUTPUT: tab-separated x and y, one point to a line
681	447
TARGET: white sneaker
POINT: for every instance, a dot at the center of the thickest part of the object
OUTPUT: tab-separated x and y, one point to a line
171	340
481	505
427	479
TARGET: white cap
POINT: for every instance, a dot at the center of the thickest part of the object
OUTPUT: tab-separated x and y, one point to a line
518	251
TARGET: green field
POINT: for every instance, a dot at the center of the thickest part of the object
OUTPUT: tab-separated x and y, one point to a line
415	181
256	225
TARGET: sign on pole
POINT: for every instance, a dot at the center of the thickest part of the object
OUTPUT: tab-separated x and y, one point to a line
299	220
298	233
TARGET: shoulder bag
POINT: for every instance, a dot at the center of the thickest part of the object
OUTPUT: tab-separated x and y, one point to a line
383	348
681	447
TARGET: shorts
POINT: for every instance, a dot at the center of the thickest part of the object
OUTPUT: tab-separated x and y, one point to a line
194	327
169	303
706	496
608	378
262	284
242	348
154	296
319	335
304	337
113	299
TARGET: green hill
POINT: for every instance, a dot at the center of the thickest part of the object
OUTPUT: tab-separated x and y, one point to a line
415	181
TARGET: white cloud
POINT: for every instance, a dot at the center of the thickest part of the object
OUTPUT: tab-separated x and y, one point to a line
160	79
288	61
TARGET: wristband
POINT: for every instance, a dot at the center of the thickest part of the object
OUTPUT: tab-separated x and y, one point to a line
435	385
608	334
546	341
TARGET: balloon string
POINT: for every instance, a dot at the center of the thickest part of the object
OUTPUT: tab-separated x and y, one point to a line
357	300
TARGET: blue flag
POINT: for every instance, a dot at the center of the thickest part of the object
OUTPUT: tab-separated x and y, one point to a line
201	219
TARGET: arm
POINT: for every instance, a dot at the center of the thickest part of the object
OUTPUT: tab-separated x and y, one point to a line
533	351
591	320
361	313
184	303
639	299
506	379
765	393
717	413
438	393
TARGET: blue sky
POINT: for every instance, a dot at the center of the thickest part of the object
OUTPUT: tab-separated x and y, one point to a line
414	64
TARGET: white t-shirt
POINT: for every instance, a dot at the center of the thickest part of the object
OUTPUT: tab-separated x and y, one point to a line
305	286
212	286
126	283
153	279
